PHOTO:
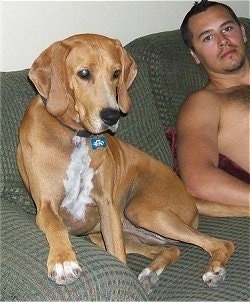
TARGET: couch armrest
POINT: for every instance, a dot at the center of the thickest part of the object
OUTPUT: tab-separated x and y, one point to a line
24	253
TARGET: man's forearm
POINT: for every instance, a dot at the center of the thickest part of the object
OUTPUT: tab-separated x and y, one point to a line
216	185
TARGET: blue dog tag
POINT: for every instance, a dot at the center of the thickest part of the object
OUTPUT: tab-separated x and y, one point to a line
98	142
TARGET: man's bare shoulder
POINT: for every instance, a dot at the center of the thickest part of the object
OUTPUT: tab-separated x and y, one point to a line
203	95
200	102
217	97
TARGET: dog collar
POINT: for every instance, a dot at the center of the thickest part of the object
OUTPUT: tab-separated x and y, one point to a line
80	133
96	141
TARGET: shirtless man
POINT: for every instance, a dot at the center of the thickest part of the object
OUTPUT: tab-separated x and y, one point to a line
215	119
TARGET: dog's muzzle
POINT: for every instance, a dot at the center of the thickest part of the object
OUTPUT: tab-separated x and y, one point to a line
110	116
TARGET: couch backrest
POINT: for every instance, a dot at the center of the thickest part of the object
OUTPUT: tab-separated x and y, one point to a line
172	71
16	92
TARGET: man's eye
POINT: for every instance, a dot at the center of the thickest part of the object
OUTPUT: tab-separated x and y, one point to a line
116	74
84	74
208	38
229	28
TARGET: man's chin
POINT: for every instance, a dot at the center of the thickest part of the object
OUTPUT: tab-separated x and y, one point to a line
234	65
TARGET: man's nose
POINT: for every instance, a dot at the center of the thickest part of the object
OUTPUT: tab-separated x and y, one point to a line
222	40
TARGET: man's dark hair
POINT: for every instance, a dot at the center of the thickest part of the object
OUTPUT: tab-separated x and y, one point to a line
196	9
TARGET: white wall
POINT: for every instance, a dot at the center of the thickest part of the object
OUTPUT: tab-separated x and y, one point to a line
28	27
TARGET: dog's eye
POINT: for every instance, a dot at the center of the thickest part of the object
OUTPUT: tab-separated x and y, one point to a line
84	74
116	74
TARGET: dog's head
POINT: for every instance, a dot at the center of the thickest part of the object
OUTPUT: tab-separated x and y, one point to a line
85	79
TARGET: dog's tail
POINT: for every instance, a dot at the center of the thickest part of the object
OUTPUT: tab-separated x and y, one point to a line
214	209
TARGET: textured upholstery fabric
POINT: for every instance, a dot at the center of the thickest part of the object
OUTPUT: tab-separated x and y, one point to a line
16	91
24	252
166	75
142	126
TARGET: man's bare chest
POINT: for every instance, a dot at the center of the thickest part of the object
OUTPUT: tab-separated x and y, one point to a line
234	128
234	107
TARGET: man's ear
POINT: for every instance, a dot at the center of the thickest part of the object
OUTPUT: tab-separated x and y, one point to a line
197	61
243	33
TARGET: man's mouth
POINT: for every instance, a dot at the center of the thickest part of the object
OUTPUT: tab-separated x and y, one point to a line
227	53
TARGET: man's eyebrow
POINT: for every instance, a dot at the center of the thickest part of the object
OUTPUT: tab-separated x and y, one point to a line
205	33
227	23
210	30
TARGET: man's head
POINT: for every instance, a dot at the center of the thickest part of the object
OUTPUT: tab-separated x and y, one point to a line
198	8
215	37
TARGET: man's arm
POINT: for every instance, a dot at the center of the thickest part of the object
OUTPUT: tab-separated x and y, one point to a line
198	155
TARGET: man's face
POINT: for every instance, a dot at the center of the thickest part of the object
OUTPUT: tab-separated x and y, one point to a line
218	40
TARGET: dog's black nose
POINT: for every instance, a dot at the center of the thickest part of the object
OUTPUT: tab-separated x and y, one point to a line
110	116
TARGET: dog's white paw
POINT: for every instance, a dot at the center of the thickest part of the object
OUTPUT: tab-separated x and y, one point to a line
147	279
215	278
65	273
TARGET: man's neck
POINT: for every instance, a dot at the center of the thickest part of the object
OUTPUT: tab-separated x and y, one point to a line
227	80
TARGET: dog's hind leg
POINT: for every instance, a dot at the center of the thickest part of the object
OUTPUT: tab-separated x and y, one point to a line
161	257
168	224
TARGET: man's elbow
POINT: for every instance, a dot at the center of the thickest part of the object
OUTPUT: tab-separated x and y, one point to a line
197	187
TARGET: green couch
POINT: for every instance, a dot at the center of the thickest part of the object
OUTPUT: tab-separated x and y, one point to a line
166	75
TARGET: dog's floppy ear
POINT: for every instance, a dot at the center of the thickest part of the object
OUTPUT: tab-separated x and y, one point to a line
49	76
129	71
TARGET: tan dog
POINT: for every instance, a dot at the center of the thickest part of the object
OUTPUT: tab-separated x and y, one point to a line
88	183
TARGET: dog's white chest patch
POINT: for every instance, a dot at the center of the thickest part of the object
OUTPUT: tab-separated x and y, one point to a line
78	182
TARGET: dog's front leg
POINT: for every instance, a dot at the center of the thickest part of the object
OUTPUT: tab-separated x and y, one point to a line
112	231
111	227
62	264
